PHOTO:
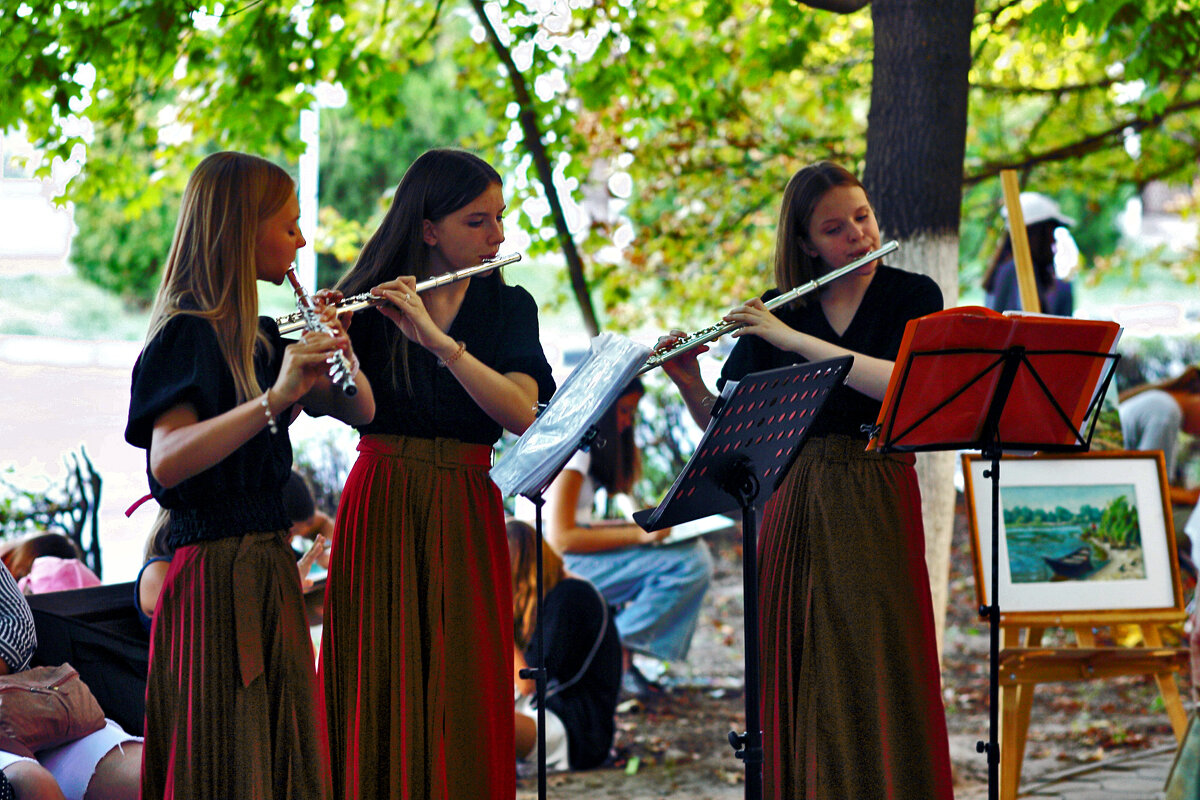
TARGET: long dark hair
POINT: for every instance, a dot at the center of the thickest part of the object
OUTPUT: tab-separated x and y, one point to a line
1188	382
793	266
437	184
1041	249
617	465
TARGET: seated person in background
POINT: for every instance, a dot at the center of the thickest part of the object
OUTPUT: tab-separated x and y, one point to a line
104	765
47	562
1000	288
658	591
308	521
583	658
1153	415
156	560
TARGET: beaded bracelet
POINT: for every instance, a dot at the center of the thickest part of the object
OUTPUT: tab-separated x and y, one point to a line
455	356
267	410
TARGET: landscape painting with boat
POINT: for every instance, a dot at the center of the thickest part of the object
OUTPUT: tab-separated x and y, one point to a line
1073	533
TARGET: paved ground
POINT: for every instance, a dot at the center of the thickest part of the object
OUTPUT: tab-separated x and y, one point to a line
59	394
1141	776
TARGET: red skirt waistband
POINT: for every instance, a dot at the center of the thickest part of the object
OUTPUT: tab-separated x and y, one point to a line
440	451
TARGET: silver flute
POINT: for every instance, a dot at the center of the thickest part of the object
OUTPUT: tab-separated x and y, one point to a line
295	321
340	371
693	340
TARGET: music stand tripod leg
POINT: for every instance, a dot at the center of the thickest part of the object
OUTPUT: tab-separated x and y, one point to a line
741	483
992	612
538	673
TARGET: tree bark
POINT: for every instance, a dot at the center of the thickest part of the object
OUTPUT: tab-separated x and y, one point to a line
532	137
916	141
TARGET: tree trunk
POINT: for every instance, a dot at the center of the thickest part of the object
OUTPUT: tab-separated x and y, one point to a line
916	141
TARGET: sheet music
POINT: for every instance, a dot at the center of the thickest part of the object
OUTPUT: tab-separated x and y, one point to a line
528	466
687	531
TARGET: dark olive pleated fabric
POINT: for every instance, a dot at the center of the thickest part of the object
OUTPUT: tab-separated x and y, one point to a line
417	652
231	696
851	697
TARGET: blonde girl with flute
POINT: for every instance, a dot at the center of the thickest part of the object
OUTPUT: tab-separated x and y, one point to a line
230	699
851	692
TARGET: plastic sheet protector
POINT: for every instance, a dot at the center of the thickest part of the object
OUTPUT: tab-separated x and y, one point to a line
529	466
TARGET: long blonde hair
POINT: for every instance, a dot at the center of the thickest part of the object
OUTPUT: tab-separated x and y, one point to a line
522	552
210	272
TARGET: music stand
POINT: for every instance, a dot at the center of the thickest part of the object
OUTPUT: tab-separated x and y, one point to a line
1010	396
752	440
565	425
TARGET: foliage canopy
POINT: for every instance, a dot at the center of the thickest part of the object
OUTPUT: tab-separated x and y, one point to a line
669	126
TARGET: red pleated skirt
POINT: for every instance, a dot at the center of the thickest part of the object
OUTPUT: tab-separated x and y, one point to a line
231	695
417	651
852	704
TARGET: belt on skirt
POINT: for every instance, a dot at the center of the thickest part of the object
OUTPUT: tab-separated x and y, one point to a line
249	607
440	452
843	449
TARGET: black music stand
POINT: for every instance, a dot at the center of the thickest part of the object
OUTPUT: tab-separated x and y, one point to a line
538	673
993	418
561	428
752	440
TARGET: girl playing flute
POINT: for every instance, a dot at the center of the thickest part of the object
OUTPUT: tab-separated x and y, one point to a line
851	689
417	651
230	708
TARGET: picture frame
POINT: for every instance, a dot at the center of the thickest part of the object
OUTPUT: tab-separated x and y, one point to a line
1084	536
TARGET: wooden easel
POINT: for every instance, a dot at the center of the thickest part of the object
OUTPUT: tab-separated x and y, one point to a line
1024	662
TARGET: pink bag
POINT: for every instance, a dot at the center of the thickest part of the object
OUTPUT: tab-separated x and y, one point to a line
54	574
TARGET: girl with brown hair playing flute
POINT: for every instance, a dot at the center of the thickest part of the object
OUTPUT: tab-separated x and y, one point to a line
230	697
851	693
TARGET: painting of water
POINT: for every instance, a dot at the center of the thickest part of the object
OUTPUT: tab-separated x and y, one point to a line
1073	533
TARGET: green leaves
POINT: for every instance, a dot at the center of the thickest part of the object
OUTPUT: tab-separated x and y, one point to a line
702	108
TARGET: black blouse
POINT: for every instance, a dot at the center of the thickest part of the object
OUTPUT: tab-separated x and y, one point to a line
244	492
892	299
499	326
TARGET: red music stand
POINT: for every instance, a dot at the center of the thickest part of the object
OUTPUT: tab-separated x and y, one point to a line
972	379
754	436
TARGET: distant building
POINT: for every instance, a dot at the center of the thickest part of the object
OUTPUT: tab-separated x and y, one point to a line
35	234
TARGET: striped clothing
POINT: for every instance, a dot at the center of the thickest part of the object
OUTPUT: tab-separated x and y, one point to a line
18	639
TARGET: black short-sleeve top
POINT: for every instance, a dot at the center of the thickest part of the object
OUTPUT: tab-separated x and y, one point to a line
244	492
499	326
892	299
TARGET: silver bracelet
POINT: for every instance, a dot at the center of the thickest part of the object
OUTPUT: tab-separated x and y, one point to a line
267	410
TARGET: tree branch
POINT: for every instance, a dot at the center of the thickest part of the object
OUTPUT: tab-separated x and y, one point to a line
532	138
1087	144
836	6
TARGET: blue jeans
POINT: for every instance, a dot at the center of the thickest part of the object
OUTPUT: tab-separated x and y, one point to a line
657	592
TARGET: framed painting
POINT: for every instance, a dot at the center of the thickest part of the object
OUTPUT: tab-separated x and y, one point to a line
1084	535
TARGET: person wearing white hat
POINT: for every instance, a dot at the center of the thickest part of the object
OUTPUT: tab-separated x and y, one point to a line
1042	215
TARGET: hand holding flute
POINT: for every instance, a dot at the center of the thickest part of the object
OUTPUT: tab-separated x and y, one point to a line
341	371
754	312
